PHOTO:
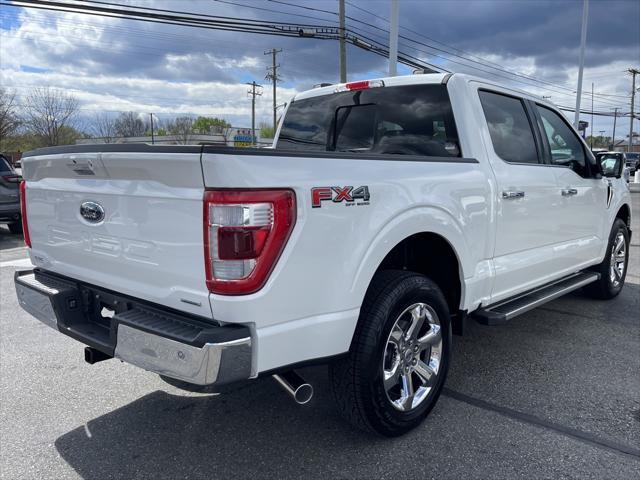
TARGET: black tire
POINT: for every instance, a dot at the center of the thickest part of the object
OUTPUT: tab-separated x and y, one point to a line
15	227
357	380
606	288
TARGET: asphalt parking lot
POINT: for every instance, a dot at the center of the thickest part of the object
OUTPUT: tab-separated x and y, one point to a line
553	394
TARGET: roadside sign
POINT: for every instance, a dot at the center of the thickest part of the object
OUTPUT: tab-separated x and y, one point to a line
243	138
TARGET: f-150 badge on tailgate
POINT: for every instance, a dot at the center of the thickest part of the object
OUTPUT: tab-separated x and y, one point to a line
92	212
357	196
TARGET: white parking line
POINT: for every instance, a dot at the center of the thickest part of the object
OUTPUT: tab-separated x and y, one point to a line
11	250
21	262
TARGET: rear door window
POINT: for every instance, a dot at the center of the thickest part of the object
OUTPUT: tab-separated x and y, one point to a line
402	120
509	127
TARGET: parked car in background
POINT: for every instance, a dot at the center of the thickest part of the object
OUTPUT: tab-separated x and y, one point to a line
632	160
9	196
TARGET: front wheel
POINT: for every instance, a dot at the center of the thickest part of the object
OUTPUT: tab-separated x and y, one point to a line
613	269
399	357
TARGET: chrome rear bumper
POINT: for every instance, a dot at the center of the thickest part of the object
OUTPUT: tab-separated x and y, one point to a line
160	341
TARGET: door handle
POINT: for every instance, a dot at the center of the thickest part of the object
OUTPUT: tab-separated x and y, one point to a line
511	194
567	192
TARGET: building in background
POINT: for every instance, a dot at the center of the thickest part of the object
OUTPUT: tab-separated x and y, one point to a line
623	145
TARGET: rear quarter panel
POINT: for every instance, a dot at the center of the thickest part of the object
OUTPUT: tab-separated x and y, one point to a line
310	304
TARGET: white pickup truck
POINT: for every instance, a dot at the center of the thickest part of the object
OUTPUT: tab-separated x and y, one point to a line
386	212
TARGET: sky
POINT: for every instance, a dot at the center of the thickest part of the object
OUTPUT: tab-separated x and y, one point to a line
113	65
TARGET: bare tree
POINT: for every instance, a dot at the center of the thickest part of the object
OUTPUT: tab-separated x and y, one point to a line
104	127
9	120
129	124
182	128
51	113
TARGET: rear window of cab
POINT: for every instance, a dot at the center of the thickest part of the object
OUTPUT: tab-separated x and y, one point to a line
401	120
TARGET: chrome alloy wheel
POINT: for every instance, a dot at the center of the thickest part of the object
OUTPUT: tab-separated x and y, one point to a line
412	356
618	259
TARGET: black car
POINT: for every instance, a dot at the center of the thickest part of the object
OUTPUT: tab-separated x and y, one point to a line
633	161
9	196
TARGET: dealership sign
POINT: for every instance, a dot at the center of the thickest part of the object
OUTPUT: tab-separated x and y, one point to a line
243	138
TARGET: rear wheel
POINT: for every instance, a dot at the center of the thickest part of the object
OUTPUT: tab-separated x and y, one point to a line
399	357
613	269
15	227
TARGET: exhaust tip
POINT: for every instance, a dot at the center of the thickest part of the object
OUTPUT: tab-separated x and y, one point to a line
295	385
303	394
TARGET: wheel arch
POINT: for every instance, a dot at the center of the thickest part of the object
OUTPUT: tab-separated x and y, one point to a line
432	231
432	255
624	214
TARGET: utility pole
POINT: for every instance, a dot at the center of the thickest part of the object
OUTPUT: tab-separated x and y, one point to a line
591	115
343	45
583	42
253	92
633	72
152	139
393	38
613	136
272	74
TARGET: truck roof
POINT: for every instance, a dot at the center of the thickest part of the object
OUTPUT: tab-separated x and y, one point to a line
417	79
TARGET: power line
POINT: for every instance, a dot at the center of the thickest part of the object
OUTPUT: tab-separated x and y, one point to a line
483	61
214	23
273	11
192	20
254	26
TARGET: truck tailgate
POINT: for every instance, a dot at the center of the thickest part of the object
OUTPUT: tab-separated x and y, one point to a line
149	243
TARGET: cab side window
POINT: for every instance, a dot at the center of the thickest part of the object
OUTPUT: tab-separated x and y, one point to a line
509	127
564	145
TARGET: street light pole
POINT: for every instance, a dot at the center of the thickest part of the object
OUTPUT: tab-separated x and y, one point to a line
613	136
343	44
583	42
633	72
393	38
591	115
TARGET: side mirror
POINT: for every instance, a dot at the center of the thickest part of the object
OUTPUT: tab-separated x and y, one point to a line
611	167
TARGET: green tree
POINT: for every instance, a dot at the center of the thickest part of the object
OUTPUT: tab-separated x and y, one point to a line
266	130
599	141
209	125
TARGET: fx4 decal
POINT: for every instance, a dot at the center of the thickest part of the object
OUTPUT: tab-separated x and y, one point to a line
340	194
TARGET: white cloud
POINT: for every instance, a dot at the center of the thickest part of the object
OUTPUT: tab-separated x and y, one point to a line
116	65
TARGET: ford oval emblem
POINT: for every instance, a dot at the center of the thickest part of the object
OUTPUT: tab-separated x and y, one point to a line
92	212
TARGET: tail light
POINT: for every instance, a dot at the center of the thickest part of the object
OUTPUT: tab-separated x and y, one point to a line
245	232
12	178
23	213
